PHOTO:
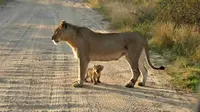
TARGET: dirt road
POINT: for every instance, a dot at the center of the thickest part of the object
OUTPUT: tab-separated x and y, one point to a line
36	75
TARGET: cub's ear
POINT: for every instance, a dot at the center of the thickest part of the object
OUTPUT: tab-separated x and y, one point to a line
102	67
63	24
94	66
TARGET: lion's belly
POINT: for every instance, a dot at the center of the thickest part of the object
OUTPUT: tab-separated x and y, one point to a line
106	56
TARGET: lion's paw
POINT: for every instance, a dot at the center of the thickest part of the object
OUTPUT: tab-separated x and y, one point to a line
76	84
129	85
141	84
95	83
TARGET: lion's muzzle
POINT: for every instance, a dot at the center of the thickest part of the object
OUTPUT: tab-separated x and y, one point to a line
54	41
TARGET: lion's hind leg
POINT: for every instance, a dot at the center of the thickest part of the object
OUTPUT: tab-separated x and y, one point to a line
135	71
144	73
143	70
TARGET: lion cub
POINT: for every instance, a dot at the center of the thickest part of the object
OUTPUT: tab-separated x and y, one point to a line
94	73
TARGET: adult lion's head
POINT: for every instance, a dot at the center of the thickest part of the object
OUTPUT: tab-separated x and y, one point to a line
63	32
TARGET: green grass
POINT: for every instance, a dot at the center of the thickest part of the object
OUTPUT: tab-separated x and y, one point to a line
186	75
2	1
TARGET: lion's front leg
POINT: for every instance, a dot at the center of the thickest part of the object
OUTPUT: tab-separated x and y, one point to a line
83	65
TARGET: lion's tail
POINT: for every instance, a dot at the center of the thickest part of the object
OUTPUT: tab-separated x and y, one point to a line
146	48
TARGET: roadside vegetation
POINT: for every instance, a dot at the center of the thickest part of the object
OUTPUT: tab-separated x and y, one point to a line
172	27
2	1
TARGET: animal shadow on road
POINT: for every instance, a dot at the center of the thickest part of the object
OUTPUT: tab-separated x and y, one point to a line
148	93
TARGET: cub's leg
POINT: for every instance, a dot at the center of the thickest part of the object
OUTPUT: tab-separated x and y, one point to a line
86	78
143	70
91	78
83	64
98	78
94	79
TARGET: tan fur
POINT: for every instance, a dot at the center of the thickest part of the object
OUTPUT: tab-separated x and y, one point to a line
94	74
92	46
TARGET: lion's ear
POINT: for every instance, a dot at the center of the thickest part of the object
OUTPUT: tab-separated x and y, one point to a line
62	23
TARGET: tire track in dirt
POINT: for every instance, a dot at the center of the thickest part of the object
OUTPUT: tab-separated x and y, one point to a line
11	100
11	39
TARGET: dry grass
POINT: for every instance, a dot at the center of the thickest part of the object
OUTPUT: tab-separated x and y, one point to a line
121	16
93	3
125	15
163	34
196	55
184	43
184	40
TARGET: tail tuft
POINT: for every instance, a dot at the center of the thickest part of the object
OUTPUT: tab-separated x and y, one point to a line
162	68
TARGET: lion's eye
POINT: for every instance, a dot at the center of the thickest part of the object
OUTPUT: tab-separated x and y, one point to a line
56	32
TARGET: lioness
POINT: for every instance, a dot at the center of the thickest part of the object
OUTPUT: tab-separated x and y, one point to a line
94	73
92	46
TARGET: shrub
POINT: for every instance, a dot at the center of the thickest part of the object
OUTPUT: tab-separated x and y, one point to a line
185	74
179	11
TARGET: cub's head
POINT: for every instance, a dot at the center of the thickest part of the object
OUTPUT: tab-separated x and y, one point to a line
62	33
98	68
